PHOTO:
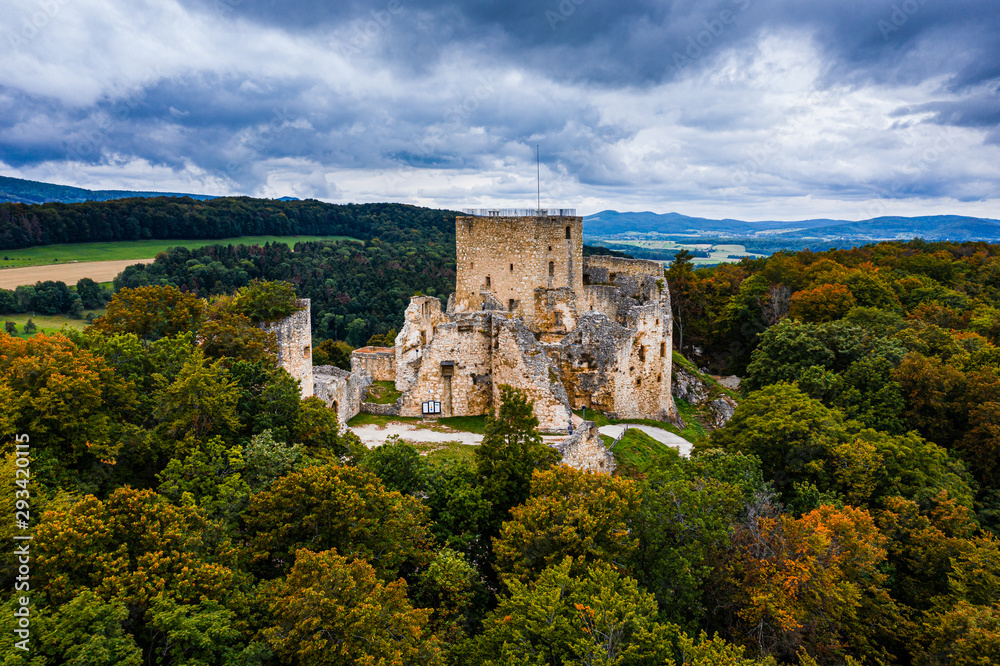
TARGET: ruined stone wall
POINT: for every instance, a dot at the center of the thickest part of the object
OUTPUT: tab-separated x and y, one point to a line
294	335
453	368
379	363
597	265
606	300
340	390
555	313
521	361
512	256
420	321
585	450
642	386
588	359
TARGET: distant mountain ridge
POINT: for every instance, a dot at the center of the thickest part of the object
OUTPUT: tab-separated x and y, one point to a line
18	190
932	227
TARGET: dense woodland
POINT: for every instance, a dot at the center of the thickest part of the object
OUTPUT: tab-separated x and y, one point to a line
26	225
189	508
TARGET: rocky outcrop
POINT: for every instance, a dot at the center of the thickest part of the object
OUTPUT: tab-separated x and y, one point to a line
721	410
689	387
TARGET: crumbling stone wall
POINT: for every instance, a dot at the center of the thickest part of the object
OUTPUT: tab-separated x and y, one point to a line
555	313
341	390
294	335
453	368
643	388
519	360
379	363
585	450
510	257
420	322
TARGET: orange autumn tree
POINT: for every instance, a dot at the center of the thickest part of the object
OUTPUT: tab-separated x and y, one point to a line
65	396
811	583
152	312
827	302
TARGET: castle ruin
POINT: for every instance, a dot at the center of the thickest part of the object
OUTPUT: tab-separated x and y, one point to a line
528	311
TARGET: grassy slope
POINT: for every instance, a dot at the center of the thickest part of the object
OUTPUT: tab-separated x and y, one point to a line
637	452
143	249
47	323
383	393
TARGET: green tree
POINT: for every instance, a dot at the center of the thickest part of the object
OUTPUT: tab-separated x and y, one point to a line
458	511
92	295
263	301
398	464
151	313
335	610
346	508
10	327
600	617
573	515
30	327
511	450
209	477
200	402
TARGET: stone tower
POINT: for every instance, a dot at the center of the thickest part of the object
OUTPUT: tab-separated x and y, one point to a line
294	334
503	257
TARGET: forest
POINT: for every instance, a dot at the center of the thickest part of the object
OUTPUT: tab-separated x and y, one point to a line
27	225
188	507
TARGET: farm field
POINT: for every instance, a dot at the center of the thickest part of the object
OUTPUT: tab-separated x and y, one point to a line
47	323
718	253
103	261
132	250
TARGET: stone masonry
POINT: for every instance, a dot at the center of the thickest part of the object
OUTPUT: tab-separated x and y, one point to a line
528	311
294	334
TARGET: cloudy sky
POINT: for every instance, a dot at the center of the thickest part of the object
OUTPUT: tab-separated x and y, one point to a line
754	109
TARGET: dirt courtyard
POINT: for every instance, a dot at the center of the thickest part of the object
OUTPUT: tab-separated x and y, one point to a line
70	273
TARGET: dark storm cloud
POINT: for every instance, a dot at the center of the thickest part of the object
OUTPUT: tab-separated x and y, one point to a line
626	96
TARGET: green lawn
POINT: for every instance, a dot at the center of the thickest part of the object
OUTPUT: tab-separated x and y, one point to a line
142	249
383	393
47	323
447	452
637	452
474	424
379	420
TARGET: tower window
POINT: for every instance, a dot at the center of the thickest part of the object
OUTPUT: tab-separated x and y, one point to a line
512	267
559	321
550	248
552	268
567	233
642	353
663	349
487	280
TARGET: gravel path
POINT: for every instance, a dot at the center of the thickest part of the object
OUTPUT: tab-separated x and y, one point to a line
659	434
373	435
70	273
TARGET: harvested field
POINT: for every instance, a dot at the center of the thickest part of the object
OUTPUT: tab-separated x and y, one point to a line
99	271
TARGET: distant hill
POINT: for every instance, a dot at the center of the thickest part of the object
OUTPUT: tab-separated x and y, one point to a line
18	190
932	228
